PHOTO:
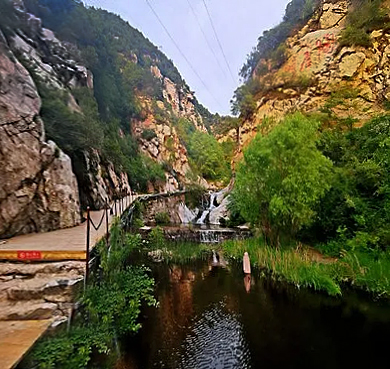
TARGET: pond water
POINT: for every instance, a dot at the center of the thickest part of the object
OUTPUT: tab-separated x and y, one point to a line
212	317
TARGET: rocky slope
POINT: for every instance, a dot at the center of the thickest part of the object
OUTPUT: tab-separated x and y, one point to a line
320	75
41	188
166	146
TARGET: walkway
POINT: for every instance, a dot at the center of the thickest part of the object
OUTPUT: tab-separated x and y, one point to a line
63	244
16	338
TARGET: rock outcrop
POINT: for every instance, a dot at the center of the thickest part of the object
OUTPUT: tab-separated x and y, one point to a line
318	67
166	147
101	181
38	190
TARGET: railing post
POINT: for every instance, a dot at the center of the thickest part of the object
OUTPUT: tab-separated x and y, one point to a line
87	247
107	234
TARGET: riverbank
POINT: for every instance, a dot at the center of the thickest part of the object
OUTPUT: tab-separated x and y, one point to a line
303	268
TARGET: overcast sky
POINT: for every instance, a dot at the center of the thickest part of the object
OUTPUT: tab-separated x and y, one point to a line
238	24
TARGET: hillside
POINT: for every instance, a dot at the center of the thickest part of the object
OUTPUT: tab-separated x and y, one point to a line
327	58
313	133
90	108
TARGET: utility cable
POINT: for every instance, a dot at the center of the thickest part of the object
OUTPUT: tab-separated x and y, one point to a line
181	52
219	42
205	37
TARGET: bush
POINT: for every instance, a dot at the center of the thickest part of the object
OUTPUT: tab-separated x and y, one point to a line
208	156
156	238
148	134
355	212
162	218
194	194
364	18
282	178
111	307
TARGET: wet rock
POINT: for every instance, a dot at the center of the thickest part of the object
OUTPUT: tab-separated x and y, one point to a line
220	212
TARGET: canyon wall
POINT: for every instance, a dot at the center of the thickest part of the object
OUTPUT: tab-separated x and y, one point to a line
322	76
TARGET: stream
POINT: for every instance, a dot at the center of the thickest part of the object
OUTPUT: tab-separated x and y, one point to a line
212	317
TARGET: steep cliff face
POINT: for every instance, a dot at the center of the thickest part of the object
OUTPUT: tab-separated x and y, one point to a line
164	144
322	76
38	190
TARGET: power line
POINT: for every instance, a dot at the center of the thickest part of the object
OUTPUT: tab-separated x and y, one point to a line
205	37
219	42
181	52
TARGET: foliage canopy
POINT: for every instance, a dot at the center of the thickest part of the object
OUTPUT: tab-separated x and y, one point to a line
282	177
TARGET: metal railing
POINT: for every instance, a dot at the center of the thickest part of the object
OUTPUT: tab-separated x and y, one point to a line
118	206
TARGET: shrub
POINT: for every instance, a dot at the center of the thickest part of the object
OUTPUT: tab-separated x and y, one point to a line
112	307
148	134
364	18
282	178
156	238
162	218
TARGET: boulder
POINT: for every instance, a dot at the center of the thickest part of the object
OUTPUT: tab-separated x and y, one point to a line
349	64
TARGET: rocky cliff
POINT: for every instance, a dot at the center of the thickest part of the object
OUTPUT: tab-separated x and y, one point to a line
38	190
41	187
165	145
320	75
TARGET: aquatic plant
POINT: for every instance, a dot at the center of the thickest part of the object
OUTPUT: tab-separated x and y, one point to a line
285	264
295	265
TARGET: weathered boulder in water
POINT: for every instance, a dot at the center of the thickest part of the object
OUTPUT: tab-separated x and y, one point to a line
38	190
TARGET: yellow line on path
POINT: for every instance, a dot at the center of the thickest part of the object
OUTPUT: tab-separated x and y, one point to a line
12	255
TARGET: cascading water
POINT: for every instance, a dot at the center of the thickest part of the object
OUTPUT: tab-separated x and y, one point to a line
209	236
206	212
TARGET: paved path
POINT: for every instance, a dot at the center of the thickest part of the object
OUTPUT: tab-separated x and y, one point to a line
17	337
62	244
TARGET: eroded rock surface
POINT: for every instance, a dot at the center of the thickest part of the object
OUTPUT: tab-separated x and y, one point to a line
317	67
38	190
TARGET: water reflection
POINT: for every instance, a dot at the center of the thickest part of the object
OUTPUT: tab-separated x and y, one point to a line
211	317
247	282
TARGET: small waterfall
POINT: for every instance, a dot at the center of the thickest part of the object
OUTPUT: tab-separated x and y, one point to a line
207	211
209	236
203	217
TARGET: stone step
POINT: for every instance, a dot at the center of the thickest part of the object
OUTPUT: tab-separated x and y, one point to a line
45	287
31	269
27	310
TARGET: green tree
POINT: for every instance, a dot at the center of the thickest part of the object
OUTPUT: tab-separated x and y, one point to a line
355	212
208	156
282	178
